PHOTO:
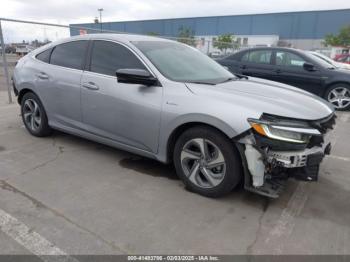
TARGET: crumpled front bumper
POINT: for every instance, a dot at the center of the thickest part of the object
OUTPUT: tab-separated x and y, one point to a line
266	166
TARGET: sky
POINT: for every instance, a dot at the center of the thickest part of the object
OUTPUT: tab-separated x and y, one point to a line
84	11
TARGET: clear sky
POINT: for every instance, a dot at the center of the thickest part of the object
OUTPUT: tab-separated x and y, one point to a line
84	11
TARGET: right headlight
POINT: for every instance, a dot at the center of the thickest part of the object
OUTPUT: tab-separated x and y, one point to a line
283	132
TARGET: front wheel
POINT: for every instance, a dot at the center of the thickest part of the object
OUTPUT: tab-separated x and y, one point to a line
207	162
339	96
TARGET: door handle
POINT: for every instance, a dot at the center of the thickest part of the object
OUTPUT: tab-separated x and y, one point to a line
91	86
243	67
43	76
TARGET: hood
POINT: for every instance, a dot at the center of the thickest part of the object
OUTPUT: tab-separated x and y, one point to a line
266	96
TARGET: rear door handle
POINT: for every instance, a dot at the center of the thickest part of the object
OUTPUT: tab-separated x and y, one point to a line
43	76
91	86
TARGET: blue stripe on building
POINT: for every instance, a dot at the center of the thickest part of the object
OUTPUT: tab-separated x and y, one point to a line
291	25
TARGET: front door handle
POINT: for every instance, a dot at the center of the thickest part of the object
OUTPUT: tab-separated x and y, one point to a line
91	86
43	76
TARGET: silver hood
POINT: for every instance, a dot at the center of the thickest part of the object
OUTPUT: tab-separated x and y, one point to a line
266	96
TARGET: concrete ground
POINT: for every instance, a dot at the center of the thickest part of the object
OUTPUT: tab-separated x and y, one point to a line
67	195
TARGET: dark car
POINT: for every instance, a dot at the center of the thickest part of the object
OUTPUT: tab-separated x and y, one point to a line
296	68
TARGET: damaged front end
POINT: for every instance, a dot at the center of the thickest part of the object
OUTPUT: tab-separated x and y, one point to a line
277	148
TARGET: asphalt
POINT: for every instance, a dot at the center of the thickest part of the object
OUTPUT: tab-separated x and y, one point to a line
86	198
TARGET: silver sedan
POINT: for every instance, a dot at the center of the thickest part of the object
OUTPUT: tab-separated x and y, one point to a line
168	101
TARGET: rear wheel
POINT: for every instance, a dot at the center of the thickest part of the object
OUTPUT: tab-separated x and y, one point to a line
339	96
34	116
207	162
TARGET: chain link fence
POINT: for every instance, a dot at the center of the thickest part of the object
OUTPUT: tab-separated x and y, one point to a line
19	37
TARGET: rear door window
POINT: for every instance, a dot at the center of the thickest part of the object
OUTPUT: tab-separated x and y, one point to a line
70	55
258	57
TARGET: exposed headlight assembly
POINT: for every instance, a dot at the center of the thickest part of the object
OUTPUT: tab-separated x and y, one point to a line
288	133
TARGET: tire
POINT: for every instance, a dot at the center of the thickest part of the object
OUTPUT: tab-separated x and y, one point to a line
339	96
205	175
34	116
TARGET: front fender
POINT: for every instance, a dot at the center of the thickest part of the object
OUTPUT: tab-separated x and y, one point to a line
192	118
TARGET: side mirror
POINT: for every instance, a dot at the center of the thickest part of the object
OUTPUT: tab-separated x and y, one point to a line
136	76
309	67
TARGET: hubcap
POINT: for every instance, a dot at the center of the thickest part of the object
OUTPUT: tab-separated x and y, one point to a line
31	114
203	163
339	97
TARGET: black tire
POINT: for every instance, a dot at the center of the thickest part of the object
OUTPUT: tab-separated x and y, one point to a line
233	164
328	95
42	129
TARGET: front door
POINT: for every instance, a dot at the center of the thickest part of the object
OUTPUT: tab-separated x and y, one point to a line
125	113
290	70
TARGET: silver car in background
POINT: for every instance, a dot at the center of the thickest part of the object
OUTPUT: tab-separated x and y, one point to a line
168	101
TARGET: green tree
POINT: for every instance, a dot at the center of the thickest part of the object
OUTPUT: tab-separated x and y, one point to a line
224	42
152	33
340	39
186	36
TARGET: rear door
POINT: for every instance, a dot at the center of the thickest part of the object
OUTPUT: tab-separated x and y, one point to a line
290	70
257	63
126	113
59	82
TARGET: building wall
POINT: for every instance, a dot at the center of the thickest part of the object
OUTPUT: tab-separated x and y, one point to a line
292	25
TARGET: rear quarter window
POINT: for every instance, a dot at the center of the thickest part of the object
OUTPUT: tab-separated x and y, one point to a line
44	56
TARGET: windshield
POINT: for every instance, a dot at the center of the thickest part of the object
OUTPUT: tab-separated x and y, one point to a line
320	61
182	63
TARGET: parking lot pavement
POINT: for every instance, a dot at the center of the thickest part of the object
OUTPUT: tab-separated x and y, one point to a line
86	198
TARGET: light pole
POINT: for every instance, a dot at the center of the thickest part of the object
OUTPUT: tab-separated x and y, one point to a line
100	10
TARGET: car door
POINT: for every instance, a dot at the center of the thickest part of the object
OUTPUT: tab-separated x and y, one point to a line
59	82
257	63
125	113
290	70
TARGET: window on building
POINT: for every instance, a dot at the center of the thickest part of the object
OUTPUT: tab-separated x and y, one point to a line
245	41
107	57
69	55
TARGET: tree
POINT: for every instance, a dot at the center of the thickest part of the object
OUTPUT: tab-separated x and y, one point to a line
224	42
186	36
340	39
153	34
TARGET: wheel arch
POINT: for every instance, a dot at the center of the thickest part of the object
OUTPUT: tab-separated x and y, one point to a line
180	129
22	92
329	85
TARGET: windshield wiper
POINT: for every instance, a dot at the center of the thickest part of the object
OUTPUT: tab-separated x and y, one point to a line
200	82
228	80
241	76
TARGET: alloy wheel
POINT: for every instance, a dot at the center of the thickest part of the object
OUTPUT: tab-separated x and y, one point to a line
203	163
339	97
32	114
